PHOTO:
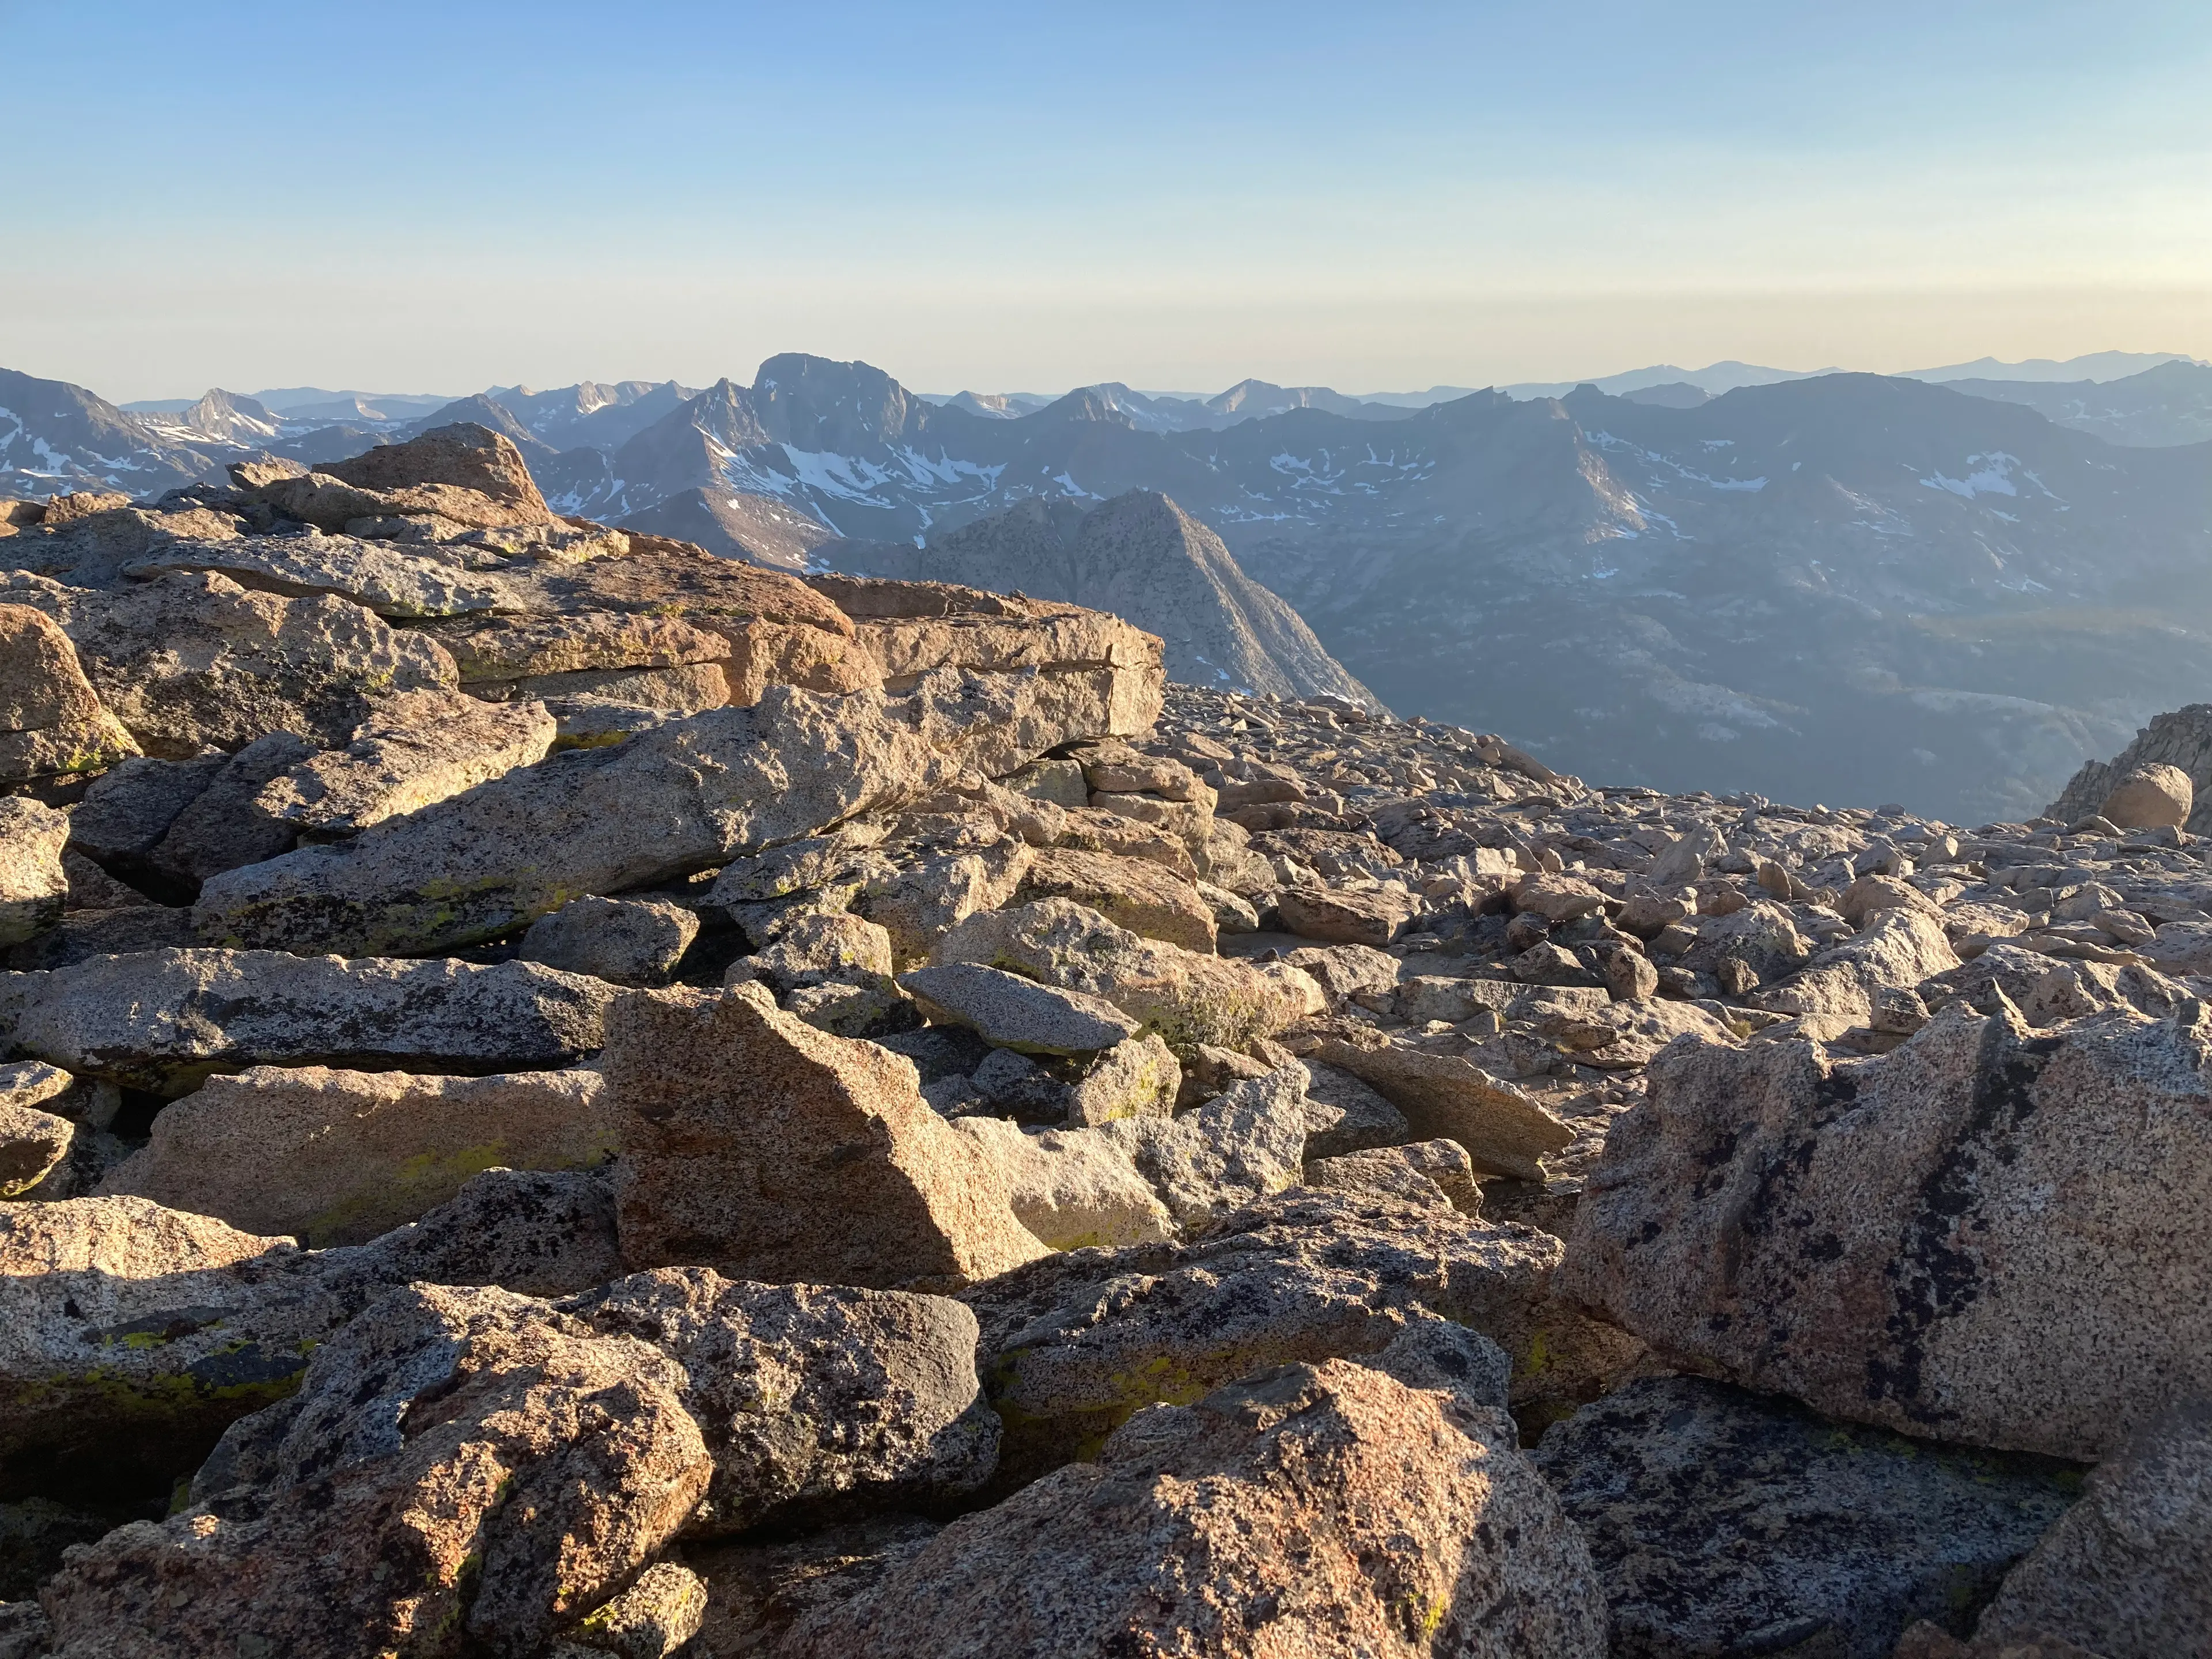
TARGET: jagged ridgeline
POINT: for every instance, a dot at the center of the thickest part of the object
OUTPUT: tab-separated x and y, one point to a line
570	1094
1839	586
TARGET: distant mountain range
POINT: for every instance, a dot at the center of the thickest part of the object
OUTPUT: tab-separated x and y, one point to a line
1851	585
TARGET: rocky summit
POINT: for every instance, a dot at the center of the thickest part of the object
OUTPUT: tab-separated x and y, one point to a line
566	1095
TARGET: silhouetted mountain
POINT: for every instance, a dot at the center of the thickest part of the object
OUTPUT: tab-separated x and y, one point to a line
2170	404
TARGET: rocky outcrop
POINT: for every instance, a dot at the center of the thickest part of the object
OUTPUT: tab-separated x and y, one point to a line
1988	1236
554	1466
693	794
1074	1344
2181	740
132	1335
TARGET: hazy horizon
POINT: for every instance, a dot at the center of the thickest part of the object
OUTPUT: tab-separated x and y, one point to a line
985	197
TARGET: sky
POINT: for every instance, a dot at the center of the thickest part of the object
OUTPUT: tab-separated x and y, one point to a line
1383	197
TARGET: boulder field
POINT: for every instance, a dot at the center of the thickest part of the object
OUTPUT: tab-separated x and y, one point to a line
566	1096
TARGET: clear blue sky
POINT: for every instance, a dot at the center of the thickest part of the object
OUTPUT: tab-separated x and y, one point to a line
1386	196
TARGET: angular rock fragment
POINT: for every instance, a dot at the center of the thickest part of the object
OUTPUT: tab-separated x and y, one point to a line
1131	893
128	809
692	794
32	1143
818	1403
500	650
399	582
623	941
1072	1188
1185	997
1010	1012
415	748
1308	1509
338	1158
1990	1235
1140	1078
51	721
761	1147
224	825
462	456
1418	1172
166	1019
1444	1098
1729	1523
1343	918
1343	1114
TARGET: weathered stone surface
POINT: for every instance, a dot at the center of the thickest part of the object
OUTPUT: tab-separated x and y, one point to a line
1324	1510
690	689
655	1616
1445	1098
193	661
1728	1524
131	1335
1137	1079
1131	893
1991	1235
338	1158
1416	1172
756	1591
694	793
50	719
816	1403
1072	1188
32	1143
127	809
1897	950
1343	971
1073	1345
2150	796
417	747
556	1463
759	1146
165	1020
33	886
777	630
403	582
493	649
622	941
1245	1144
929	889
1343	918
84	934
462	456
1183	996
819	947
1010	1012
2127	1572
